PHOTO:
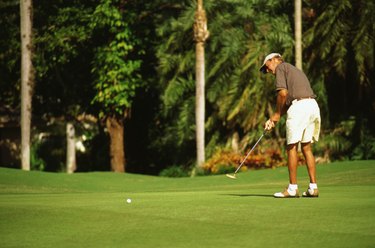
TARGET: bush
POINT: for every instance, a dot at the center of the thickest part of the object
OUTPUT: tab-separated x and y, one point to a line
366	149
335	144
225	161
174	171
36	162
344	142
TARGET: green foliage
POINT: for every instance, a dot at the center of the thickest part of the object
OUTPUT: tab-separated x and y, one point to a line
48	147
61	37
343	27
335	144
10	54
36	162
239	98
339	142
366	147
62	57
365	150
174	171
116	73
332	26
340	54
240	36
89	52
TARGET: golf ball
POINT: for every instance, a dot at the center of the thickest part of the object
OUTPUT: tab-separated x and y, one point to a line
128	200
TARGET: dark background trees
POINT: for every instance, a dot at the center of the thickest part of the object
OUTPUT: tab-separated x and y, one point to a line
147	49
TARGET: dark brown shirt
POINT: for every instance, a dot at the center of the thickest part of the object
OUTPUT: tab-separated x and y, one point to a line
294	81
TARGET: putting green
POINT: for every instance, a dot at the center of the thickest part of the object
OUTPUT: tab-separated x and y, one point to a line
90	209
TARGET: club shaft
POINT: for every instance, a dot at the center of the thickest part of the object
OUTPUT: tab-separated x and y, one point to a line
243	161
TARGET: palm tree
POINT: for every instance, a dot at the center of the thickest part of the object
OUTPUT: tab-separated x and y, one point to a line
27	80
200	36
241	34
340	52
298	32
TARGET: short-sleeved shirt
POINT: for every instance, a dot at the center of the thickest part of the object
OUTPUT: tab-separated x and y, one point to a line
294	81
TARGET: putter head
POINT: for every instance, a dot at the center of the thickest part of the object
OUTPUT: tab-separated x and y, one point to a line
231	176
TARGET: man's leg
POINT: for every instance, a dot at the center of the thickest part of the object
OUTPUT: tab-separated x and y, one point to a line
292	162
310	161
292	190
312	191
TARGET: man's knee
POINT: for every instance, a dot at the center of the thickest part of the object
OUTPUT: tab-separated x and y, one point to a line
306	147
291	147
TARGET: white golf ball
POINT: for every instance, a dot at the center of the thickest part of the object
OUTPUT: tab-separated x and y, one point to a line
128	200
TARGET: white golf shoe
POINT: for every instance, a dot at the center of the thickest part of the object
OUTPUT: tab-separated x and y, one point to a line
311	193
287	194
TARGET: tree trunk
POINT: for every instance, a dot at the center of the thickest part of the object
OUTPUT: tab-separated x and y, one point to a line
235	141
298	32
27	80
200	35
70	149
115	129
200	104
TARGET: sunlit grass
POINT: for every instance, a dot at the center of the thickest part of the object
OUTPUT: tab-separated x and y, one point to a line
90	210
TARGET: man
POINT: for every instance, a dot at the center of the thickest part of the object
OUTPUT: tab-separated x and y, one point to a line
296	99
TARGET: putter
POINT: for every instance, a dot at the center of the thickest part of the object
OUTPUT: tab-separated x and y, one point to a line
233	176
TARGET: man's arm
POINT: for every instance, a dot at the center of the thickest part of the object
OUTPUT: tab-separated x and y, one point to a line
280	105
280	109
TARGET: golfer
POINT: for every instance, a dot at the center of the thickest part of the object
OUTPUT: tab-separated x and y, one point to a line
296	99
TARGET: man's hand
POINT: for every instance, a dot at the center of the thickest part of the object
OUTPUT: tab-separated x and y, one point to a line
269	125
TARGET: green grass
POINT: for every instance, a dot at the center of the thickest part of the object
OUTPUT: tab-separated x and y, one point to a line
90	210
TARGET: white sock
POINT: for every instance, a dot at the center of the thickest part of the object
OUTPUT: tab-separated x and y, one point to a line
313	186
293	187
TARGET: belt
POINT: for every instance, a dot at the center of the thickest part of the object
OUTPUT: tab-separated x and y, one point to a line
301	98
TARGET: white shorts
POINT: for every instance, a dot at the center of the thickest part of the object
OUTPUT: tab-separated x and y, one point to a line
303	122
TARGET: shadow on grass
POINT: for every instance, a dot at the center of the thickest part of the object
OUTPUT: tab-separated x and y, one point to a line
249	195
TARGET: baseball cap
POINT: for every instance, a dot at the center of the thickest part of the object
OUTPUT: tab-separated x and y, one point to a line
268	57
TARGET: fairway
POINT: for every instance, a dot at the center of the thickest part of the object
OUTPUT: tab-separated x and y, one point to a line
90	210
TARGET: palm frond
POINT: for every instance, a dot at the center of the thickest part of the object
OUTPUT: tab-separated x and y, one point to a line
241	33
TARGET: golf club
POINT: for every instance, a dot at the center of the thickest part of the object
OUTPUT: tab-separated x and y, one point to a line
233	176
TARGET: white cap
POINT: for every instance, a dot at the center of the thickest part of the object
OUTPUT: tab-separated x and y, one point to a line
268	57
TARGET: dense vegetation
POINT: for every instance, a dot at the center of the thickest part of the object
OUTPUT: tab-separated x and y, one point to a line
133	62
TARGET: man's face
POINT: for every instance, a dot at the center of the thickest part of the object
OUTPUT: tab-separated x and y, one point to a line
271	65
